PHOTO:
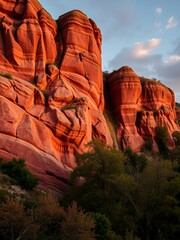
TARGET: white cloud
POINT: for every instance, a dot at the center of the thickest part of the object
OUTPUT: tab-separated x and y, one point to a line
139	57
142	49
139	52
171	23
158	10
173	59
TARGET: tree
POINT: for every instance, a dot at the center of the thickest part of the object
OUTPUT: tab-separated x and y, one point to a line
161	139
48	215
97	171
134	163
15	222
17	170
103	227
76	225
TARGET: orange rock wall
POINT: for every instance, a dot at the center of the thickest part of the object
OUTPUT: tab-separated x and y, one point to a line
51	93
51	89
141	105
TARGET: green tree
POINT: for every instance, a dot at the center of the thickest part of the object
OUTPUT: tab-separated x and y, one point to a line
157	209
161	139
103	227
16	169
96	172
134	163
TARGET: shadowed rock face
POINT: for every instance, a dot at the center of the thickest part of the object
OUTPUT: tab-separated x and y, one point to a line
51	105
141	105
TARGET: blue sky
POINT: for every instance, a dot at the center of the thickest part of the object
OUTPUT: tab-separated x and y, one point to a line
143	34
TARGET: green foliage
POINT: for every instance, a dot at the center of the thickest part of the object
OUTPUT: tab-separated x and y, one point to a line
17	170
44	220
102	226
148	144
161	136
134	163
124	197
3	196
130	236
99	168
174	156
141	199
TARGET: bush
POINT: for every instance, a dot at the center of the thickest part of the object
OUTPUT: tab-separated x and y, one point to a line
102	226
17	170
3	196
161	139
134	163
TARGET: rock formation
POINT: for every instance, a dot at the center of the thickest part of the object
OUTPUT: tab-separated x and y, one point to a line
51	92
51	89
140	105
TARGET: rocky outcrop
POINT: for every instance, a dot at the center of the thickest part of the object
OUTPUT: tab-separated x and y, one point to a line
51	93
140	105
125	91
51	89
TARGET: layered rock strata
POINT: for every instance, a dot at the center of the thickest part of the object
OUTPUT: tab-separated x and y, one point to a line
51	93
51	89
140	105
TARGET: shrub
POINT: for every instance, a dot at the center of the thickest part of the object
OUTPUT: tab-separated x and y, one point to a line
102	226
17	170
76	224
15	223
161	139
134	163
3	196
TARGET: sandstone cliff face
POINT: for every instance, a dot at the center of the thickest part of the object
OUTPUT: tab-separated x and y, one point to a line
51	100
141	105
51	93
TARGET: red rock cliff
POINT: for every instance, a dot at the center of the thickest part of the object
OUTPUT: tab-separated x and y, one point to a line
51	93
140	105
51	89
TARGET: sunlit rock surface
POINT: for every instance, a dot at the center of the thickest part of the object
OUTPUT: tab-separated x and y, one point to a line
52	93
51	89
140	105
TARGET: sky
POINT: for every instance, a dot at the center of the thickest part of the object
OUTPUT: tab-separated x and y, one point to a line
142	34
